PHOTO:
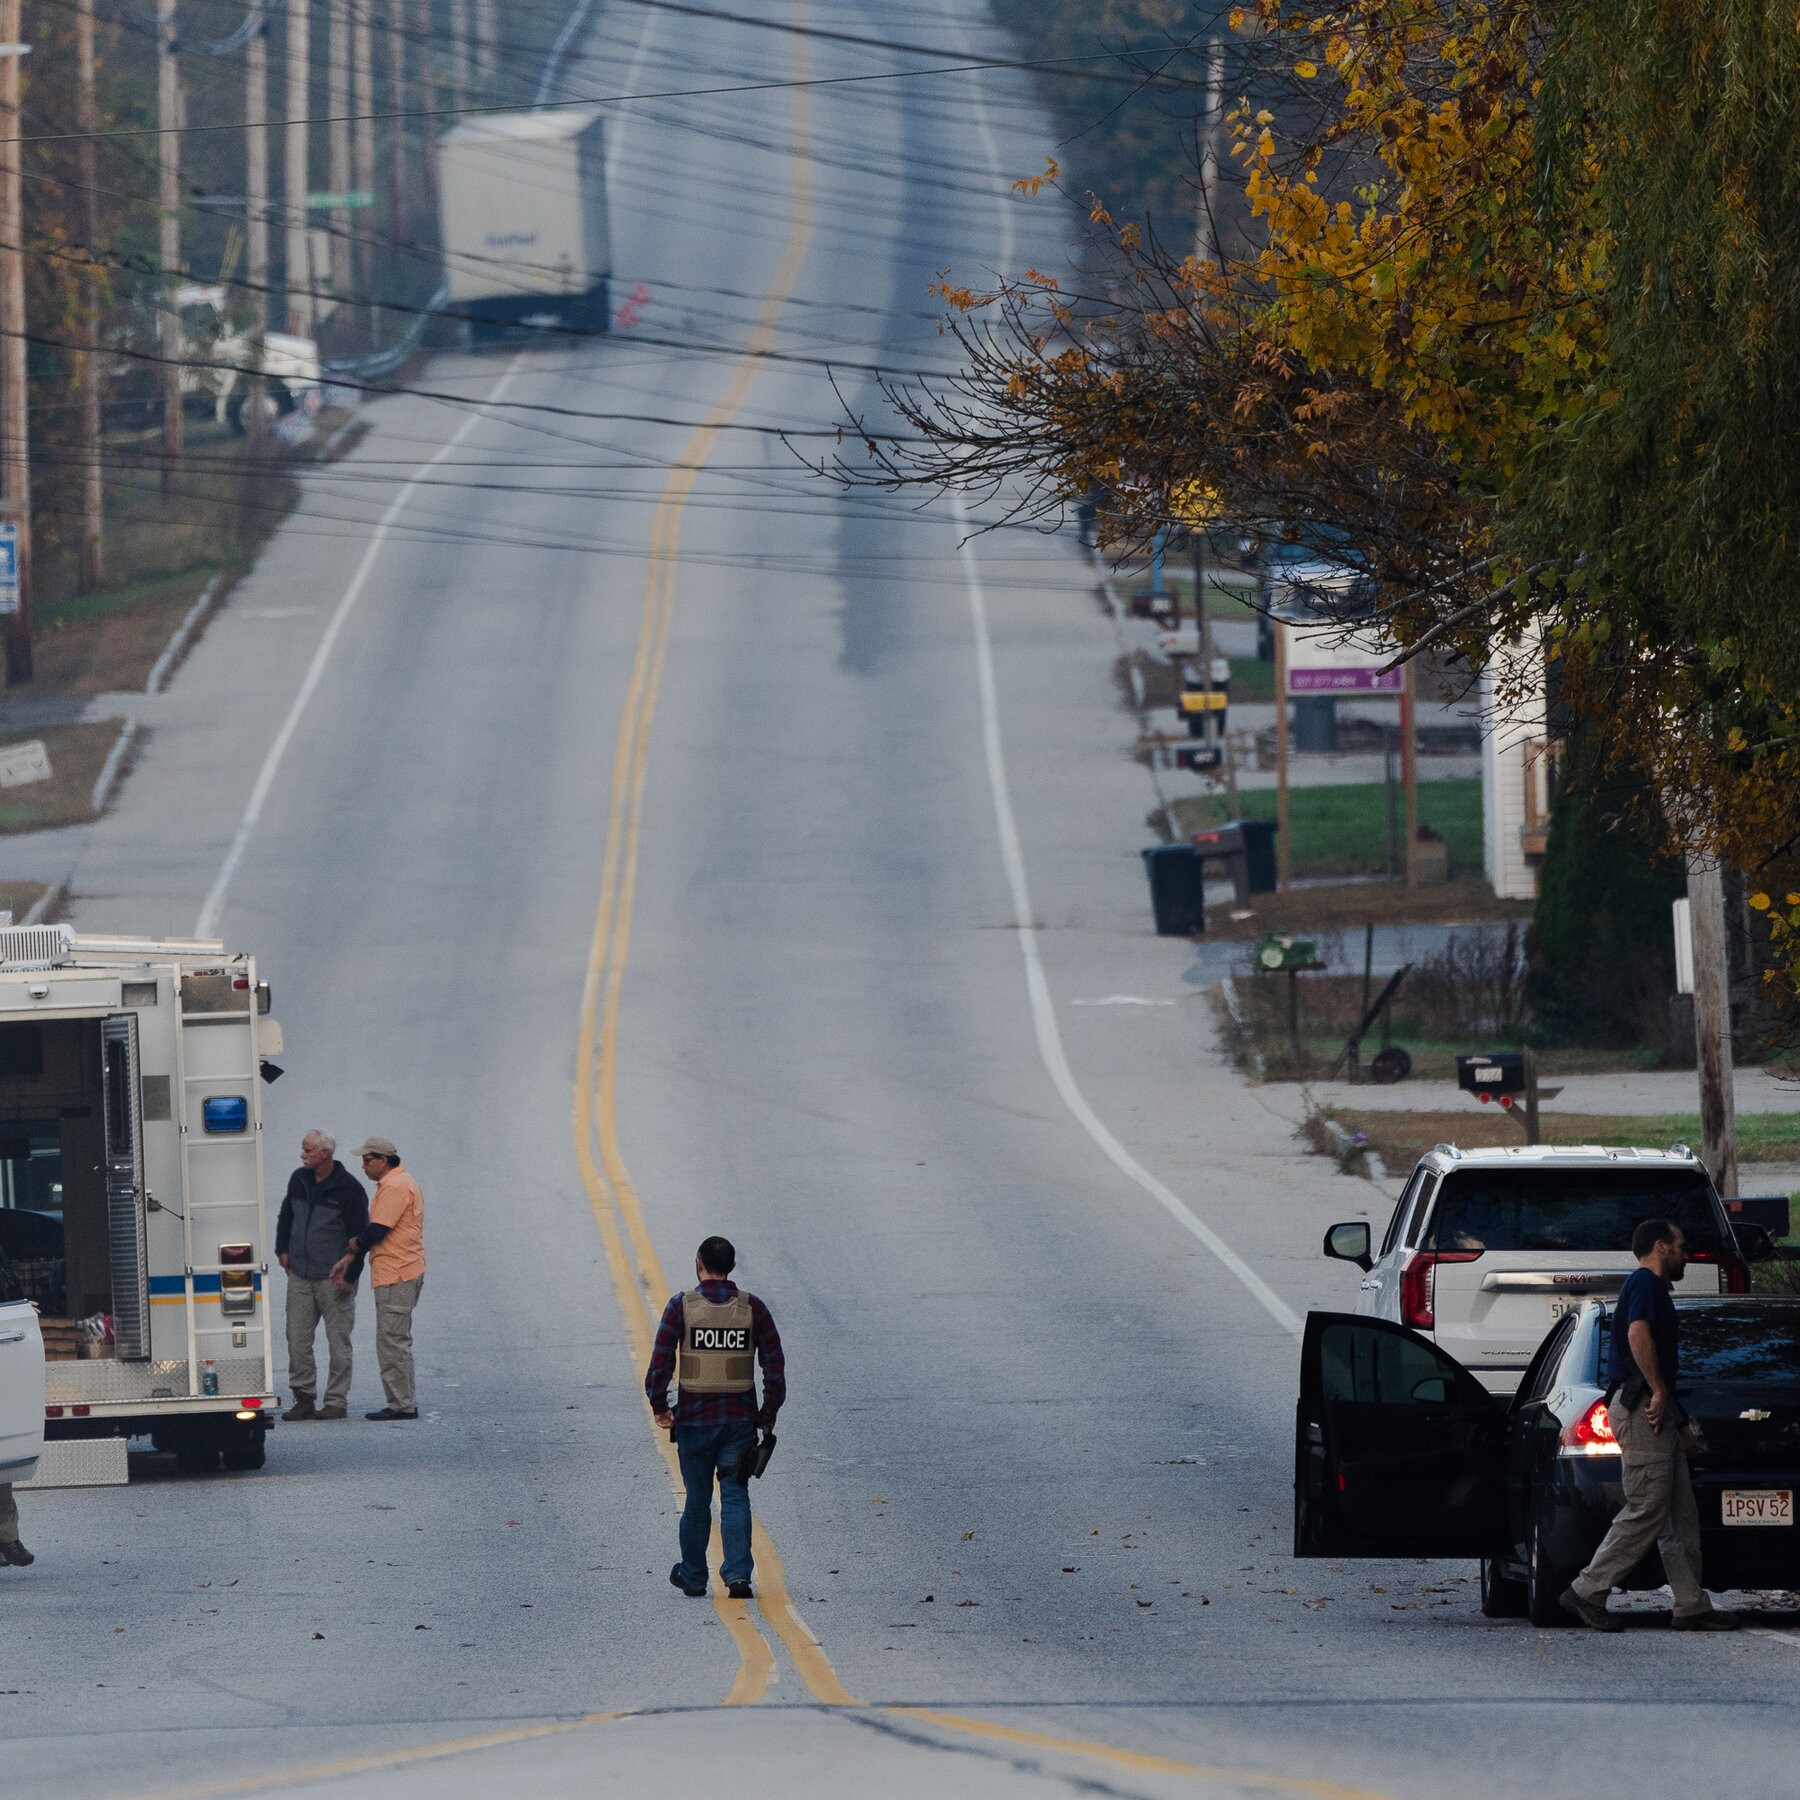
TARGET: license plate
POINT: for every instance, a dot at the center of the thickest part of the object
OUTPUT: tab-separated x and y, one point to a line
1757	1506
1559	1307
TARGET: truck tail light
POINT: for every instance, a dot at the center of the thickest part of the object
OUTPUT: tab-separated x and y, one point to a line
1734	1274
1418	1285
1591	1434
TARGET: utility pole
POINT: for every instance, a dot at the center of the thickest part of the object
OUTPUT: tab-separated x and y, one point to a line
337	103
1712	1023
87	380
168	168
256	169
1409	763
1207	248
15	445
428	101
486	47
365	147
396	131
459	53
299	100
1284	859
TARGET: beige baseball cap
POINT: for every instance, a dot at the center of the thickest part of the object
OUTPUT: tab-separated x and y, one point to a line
377	1147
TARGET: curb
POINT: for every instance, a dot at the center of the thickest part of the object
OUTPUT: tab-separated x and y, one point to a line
159	670
48	901
115	760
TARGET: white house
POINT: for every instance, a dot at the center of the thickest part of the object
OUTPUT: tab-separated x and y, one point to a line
1516	776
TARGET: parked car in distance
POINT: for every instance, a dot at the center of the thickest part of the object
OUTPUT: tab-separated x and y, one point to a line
1401	1451
1487	1249
21	1388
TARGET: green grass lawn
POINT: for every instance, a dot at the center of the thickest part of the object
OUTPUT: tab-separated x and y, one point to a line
1343	830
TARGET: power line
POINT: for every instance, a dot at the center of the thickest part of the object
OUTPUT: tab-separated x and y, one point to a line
451	112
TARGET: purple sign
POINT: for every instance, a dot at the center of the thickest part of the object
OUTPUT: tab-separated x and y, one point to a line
1345	681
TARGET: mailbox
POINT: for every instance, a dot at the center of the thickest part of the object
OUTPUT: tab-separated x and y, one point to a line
1284	952
1501	1073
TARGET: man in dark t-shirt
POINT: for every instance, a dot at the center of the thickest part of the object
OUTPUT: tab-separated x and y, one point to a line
1655	1441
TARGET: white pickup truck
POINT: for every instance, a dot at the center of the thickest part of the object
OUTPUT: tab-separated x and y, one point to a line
131	1193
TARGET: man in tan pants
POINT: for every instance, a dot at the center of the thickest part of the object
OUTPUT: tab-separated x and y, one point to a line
1654	1441
394	1241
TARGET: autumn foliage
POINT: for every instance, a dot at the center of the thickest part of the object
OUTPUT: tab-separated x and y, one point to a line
1520	341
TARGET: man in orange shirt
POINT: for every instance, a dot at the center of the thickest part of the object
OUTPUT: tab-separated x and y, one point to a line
394	1241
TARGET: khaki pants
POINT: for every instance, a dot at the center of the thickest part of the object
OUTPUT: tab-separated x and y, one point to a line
9	1515
1659	1509
393	1340
307	1303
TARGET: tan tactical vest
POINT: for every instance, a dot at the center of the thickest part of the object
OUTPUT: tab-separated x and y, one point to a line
716	1345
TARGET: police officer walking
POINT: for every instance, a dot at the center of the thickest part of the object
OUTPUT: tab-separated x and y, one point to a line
717	1333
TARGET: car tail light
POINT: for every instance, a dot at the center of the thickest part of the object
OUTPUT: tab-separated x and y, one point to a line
1591	1434
1418	1284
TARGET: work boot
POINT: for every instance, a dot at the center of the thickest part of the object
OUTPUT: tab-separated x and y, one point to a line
693	1593
302	1408
16	1554
1706	1621
1590	1612
333	1409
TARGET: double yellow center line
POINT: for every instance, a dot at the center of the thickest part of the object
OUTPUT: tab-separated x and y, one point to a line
608	1182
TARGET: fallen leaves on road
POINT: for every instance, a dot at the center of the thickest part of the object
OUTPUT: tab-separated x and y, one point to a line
967	1535
968	1603
318	1636
1075	1570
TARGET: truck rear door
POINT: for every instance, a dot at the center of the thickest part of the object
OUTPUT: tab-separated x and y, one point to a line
121	1102
21	1391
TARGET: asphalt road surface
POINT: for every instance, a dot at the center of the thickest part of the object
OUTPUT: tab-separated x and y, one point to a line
654	841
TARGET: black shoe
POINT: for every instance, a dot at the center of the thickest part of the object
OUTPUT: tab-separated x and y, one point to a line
1706	1621
16	1554
387	1412
740	1590
693	1593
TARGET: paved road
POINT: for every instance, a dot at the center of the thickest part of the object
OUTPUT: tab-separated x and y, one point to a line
1037	1257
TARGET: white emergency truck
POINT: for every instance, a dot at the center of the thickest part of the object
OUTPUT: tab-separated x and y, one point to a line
131	1186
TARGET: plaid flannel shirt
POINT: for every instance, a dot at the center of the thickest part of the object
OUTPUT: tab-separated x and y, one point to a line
718	1409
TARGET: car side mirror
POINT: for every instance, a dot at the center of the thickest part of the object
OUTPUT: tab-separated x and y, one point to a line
1754	1242
1350	1243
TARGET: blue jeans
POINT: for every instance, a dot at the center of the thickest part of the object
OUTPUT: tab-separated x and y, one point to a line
704	1450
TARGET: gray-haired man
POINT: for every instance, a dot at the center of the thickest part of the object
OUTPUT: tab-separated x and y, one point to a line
324	1208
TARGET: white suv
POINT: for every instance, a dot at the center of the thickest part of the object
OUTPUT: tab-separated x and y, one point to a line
1488	1248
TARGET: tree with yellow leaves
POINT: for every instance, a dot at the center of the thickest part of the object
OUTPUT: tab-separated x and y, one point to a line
1519	345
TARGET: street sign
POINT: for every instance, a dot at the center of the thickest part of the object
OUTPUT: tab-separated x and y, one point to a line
335	202
9	565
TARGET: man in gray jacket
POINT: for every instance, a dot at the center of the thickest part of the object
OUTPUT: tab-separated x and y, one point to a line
324	1208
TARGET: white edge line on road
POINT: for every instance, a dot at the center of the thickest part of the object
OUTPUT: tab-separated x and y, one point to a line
1043	1010
206	925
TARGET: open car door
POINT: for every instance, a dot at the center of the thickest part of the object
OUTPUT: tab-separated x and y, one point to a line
1398	1450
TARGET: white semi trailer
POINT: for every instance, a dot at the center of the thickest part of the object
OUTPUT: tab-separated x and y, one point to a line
522	203
131	1185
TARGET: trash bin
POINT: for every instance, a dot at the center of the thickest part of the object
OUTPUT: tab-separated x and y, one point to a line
1177	892
1259	851
1315	724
